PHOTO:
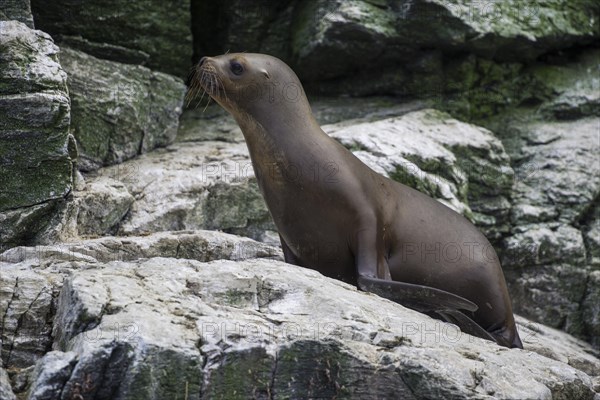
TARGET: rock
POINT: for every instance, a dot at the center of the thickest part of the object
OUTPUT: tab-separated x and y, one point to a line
559	346
591	308
270	329
442	157
159	29
204	185
36	151
26	302
102	205
551	294
331	110
249	327
591	236
558	157
30	280
17	10
414	62
369	25
502	30
119	110
552	140
253	26
205	121
341	34
542	244
6	392
93	209
19	226
550	249
575	86
473	51
50	375
194	245
564	87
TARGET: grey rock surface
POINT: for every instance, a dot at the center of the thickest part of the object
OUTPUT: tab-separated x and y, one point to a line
119	111
558	168
345	36
25	225
6	392
103	203
204	185
34	114
502	30
51	374
267	329
123	30
591	307
17	10
121	317
30	279
576	87
194	245
551	250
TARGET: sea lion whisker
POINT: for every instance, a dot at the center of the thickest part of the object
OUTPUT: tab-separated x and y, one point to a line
221	87
210	82
195	85
201	85
202	97
214	90
207	104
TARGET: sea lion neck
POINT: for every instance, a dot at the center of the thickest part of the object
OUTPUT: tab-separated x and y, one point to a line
274	140
282	121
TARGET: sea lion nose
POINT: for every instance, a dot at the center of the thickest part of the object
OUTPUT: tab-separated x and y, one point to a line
202	60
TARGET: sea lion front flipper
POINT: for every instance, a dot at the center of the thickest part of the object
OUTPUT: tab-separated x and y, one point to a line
466	324
421	298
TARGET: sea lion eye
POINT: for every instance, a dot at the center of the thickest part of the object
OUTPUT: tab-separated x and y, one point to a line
236	68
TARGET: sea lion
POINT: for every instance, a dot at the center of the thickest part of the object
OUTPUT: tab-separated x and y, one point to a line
337	216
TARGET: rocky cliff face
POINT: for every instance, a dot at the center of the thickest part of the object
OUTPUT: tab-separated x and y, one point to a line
37	153
116	283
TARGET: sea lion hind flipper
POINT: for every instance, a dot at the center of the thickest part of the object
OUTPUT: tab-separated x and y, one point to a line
466	324
420	298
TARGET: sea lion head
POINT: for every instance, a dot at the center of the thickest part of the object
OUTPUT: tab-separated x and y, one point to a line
249	84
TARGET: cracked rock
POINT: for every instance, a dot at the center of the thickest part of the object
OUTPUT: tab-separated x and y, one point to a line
31	277
6	392
119	111
317	338
50	375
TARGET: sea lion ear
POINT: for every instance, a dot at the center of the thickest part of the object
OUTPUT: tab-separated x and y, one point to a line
265	73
